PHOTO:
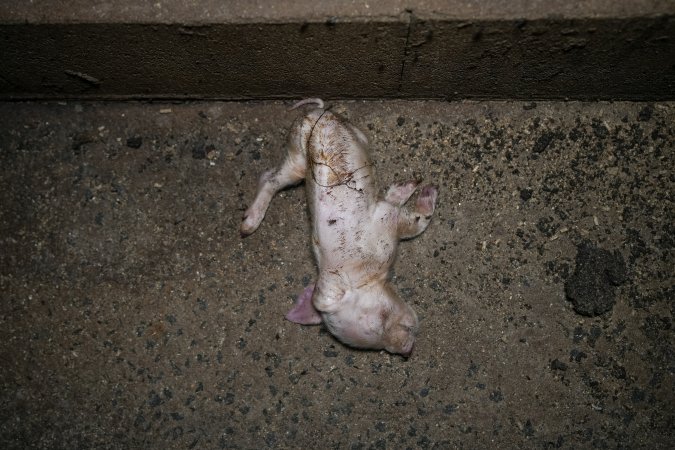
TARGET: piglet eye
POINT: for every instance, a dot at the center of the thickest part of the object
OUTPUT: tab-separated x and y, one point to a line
408	328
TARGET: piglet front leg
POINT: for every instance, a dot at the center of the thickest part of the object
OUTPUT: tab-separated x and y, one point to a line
399	193
413	221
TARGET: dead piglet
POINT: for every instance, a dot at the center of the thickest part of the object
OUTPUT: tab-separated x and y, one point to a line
354	234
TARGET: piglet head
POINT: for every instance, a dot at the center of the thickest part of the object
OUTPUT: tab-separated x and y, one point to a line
374	317
400	327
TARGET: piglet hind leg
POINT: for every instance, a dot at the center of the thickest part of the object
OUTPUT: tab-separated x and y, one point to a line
303	311
412	221
291	172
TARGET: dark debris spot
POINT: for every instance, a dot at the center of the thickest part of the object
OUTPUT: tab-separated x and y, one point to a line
449	408
543	142
593	335
577	355
578	335
228	399
556	364
591	288
199	151
547	226
637	395
654	325
618	372
134	142
154	399
496	396
646	113
176	432
599	129
82	139
434	284
473	369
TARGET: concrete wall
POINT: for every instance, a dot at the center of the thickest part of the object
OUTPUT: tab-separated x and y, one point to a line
424	49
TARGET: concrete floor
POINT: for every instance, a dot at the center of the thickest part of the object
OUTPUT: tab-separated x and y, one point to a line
134	316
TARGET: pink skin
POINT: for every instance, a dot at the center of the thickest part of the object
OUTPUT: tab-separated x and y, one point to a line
303	311
354	235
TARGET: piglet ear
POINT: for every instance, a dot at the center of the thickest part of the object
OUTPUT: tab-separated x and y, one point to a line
303	311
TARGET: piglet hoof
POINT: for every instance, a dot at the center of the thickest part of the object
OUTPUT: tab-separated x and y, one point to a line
250	222
245	231
426	202
303	311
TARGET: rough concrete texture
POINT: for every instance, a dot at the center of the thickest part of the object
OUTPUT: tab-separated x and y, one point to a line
133	315
269	11
421	49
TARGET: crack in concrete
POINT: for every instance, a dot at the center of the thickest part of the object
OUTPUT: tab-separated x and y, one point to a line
92	81
406	47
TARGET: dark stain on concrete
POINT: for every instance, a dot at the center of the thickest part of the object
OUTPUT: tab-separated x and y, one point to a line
592	286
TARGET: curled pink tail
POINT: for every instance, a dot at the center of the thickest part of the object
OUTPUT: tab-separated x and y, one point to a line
308	101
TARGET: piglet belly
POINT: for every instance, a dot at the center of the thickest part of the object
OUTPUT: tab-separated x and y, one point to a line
339	223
